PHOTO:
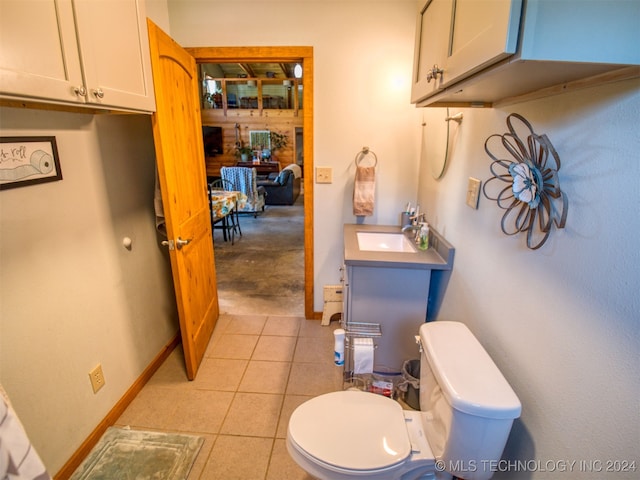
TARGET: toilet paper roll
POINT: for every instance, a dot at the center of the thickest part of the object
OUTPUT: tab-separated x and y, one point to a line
362	355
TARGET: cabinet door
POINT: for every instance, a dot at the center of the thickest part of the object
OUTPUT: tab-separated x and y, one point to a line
482	33
38	50
114	52
431	48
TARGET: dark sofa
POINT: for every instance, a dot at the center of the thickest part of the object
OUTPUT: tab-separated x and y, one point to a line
281	188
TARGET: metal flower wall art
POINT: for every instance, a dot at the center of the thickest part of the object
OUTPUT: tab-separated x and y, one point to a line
526	185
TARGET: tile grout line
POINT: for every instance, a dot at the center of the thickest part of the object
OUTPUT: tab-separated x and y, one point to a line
274	437
284	396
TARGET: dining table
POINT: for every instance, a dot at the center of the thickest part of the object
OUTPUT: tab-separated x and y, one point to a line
224	210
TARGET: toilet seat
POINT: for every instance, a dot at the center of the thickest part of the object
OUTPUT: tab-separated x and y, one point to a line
350	434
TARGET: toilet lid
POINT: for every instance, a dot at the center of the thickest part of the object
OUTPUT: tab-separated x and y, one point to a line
351	429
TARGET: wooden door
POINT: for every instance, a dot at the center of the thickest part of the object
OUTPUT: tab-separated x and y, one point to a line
177	133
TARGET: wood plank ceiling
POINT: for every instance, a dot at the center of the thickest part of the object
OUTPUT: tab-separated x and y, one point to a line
254	70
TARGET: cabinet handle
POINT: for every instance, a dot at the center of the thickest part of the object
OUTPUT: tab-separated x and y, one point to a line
98	93
434	72
80	91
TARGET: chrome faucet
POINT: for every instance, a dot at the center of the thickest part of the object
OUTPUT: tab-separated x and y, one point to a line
410	227
415	225
415	222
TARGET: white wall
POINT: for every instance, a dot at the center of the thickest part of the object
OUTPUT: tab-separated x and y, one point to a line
71	296
158	12
561	322
363	59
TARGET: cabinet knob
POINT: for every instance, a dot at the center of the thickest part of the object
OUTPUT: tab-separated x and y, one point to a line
434	72
98	93
80	91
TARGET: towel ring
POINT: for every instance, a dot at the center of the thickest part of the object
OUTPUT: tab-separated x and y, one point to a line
361	155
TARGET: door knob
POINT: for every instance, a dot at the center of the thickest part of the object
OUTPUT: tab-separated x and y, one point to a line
181	243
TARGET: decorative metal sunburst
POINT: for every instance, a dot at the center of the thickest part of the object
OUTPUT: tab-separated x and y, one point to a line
532	199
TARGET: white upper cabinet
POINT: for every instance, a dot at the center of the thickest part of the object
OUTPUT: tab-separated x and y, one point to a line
38	50
455	38
114	53
486	52
482	32
432	48
76	52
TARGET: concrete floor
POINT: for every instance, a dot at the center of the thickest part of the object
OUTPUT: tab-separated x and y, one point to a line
263	271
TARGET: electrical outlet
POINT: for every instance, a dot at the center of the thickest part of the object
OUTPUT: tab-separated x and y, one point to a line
97	378
473	192
324	175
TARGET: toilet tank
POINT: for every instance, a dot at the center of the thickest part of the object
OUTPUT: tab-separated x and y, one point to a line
468	406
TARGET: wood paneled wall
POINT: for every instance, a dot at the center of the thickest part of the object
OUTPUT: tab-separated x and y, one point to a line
281	121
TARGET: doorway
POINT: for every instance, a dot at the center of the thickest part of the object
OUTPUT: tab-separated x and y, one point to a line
303	55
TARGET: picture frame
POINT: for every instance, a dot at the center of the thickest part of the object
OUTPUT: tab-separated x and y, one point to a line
28	161
260	139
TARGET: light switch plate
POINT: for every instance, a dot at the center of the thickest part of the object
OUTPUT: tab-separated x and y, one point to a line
473	192
324	175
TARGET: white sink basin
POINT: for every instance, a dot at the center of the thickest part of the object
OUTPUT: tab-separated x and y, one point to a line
384	242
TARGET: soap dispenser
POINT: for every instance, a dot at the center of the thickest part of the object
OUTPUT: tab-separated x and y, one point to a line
423	243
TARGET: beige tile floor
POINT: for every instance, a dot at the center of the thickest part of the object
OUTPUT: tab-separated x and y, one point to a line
256	371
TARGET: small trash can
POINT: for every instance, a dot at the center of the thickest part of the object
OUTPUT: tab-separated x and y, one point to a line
411	383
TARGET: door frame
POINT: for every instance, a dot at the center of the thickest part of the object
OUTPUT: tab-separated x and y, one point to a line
304	55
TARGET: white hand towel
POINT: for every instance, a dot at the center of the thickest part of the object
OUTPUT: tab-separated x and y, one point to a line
364	190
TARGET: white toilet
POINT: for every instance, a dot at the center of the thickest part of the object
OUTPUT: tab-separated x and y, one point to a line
466	412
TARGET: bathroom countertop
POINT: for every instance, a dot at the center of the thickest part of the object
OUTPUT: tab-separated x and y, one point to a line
439	255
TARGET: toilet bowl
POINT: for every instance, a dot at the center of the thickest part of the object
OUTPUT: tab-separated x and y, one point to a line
466	412
361	435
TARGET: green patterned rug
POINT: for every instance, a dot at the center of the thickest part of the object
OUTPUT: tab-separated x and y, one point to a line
135	454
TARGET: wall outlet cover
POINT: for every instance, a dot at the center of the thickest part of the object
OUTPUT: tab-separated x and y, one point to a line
97	378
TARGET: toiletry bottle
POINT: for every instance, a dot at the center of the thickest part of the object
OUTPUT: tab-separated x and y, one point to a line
338	348
424	236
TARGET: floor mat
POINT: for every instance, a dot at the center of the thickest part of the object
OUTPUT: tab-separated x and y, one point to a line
123	453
